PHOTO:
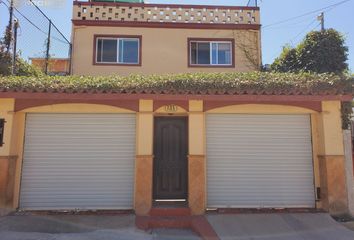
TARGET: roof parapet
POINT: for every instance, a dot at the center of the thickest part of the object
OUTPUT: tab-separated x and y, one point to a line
165	13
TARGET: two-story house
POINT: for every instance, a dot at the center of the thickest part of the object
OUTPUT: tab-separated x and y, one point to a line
136	149
118	38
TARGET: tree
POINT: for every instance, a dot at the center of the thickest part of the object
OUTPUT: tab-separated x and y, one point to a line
23	68
320	52
287	61
5	60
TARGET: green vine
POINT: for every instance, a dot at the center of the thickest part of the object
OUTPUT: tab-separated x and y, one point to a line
263	83
255	83
346	110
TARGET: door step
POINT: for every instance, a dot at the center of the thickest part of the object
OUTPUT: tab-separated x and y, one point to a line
169	212
176	218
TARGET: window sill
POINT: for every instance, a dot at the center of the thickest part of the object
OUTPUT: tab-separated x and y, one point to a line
211	66
118	64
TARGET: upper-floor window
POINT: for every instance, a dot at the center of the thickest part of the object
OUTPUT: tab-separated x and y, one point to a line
118	50
211	53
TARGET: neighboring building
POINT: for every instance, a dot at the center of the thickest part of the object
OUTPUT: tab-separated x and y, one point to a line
56	66
133	148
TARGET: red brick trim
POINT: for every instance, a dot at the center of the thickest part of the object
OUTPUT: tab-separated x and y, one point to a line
265	210
71	212
231	40
112	23
147	5
199	224
116	36
313	105
21	104
171	97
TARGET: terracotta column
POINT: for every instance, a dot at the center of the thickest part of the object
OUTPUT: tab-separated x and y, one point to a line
196	159
144	158
332	162
7	162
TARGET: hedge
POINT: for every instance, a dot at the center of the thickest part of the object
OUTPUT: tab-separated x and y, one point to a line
236	83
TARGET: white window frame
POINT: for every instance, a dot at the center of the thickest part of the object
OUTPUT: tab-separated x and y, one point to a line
210	52
118	49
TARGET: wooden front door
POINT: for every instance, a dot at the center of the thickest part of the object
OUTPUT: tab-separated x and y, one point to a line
170	158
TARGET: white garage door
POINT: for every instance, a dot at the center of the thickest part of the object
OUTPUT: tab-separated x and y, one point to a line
256	161
78	161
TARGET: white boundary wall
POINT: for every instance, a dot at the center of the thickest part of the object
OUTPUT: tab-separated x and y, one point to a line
349	168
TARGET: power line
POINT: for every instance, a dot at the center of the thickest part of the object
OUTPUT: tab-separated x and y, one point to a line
330	7
279	51
34	25
297	24
303	30
50	21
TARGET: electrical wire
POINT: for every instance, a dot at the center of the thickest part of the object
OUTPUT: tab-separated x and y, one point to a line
279	51
49	20
328	8
33	24
303	30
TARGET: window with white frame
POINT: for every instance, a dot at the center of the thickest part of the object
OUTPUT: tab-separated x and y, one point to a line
117	50
211	53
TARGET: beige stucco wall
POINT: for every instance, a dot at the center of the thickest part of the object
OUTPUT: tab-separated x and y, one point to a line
328	153
6	111
164	50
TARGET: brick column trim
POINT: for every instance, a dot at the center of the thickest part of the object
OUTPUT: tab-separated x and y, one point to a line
197	184
333	184
7	177
143	184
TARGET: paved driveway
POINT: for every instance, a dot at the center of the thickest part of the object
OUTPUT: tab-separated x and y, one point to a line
69	227
286	226
82	227
302	226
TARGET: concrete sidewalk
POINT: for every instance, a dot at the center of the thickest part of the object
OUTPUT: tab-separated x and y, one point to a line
82	227
276	226
70	227
279	226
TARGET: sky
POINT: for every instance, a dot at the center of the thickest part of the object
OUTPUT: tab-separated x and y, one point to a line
276	31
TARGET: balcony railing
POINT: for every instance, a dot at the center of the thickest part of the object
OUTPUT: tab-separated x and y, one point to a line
165	13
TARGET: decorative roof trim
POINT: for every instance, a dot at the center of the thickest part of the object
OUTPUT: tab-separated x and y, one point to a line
112	23
164	5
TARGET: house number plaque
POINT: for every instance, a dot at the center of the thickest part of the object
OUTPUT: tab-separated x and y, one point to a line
171	108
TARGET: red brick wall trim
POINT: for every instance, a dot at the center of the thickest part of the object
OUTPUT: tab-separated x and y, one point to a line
313	105
324	156
11	157
198	224
21	104
81	212
111	23
85	97
163	5
266	210
145	156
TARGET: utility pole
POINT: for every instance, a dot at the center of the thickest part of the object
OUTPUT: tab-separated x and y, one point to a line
321	19
13	69
48	46
8	34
